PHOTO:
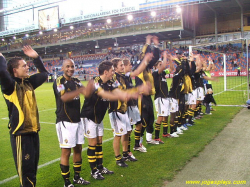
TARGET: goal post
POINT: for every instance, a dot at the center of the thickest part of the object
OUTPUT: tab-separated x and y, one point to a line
231	60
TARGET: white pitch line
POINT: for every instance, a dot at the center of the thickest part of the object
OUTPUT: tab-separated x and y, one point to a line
47	122
43	90
48	163
230	88
7	118
46	110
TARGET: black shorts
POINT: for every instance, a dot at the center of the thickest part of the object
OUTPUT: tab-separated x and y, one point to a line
147	113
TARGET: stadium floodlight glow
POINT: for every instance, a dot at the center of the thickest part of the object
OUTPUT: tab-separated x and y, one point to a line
3	39
97	46
55	30
108	20
71	27
178	9
27	35
41	32
153	13
14	37
89	24
130	17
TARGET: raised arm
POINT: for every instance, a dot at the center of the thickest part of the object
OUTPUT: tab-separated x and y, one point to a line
198	63
142	65
171	64
39	78
164	63
7	83
192	64
156	52
211	65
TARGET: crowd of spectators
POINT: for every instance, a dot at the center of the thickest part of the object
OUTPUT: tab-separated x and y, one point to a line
84	31
87	65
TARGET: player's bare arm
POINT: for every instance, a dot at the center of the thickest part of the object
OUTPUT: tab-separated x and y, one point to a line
142	65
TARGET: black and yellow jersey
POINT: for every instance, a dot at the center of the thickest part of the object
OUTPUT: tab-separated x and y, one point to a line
119	82
67	111
199	78
161	85
129	84
95	107
20	98
118	106
177	83
187	86
192	73
146	75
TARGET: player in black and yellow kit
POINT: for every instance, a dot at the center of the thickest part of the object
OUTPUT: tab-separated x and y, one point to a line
18	91
133	111
176	88
145	103
161	96
68	124
118	114
93	112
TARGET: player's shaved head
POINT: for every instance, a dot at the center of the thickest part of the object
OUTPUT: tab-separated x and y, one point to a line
67	61
68	68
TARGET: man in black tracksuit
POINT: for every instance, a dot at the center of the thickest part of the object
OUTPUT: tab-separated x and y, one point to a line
18	91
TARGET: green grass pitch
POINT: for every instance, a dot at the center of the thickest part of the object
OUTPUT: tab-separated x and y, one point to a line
160	163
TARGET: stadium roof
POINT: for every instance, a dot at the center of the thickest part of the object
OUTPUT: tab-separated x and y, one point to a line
222	7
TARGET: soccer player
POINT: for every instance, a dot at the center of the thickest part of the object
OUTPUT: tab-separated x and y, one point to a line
93	112
118	115
208	86
192	96
198	80
18	91
174	95
68	124
133	111
161	96
145	103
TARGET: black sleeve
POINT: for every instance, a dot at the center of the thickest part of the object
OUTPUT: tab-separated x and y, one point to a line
193	68
7	83
145	49
39	78
187	70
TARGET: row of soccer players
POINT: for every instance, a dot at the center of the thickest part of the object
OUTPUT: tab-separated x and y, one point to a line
115	92
108	90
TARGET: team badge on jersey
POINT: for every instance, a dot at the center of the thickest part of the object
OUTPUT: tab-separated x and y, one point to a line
66	141
97	85
79	84
121	129
116	84
88	132
60	88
